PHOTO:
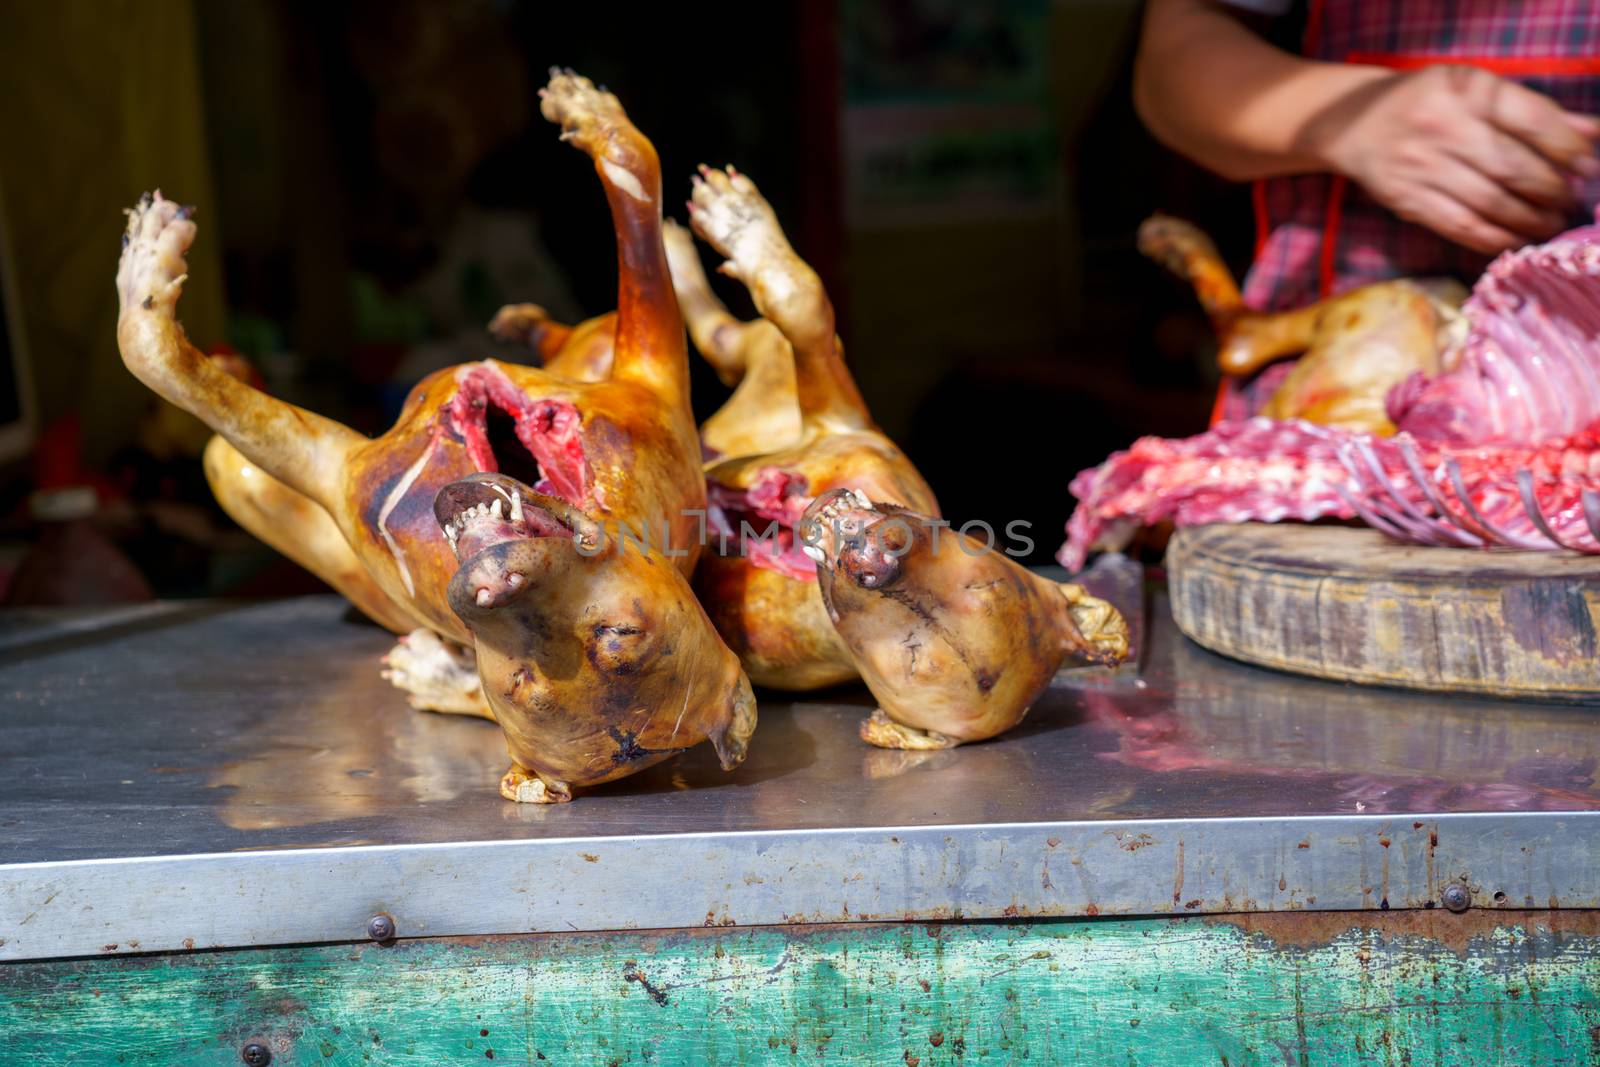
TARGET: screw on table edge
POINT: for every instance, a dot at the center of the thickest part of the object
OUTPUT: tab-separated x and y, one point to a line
255	1054
381	928
1455	897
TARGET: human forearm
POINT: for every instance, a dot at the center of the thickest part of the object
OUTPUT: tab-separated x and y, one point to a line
1208	87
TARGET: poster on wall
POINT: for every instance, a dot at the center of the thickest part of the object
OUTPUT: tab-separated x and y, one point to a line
947	114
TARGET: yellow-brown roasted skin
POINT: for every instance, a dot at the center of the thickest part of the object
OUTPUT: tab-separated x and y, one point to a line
595	655
775	624
290	523
582	352
1353	348
773	620
638	434
755	358
955	640
298	528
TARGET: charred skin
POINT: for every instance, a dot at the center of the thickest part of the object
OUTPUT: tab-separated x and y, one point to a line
1352	348
636	459
595	656
955	640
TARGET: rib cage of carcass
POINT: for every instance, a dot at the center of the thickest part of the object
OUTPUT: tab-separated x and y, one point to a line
1500	448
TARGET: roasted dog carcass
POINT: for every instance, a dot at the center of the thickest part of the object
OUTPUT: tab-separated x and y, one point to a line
594	654
622	450
1352	348
759	585
1499	447
955	640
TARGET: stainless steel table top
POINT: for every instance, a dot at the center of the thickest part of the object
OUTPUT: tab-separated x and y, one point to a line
211	774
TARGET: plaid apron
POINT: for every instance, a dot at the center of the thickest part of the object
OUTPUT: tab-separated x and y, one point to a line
1318	234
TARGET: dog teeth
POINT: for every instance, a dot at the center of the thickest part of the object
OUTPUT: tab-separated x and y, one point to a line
861	499
816	554
496	509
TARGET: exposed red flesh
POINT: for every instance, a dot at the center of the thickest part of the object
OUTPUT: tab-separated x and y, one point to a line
549	429
776	496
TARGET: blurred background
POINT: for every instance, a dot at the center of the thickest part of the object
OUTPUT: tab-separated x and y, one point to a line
373	180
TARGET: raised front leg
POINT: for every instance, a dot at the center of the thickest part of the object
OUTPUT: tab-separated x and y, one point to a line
1246	340
716	333
1184	250
762	415
650	345
729	212
305	451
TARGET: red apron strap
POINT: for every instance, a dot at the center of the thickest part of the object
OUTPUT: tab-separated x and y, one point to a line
1258	190
1258	199
1507	66
1327	267
1313	34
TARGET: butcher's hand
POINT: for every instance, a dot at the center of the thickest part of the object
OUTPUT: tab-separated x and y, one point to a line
1483	161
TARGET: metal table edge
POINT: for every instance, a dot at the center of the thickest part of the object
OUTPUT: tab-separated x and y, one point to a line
1065	869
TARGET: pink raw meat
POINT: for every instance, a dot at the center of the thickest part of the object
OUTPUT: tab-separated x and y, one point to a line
1503	447
1530	365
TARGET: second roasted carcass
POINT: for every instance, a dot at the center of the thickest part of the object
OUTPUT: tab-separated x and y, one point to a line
955	640
1497	447
759	582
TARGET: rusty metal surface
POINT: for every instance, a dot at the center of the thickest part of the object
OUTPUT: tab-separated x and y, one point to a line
241	776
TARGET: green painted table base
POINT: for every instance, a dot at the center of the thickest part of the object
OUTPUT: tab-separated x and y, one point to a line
1299	988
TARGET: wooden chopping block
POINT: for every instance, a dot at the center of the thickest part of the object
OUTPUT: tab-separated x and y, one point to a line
1350	605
